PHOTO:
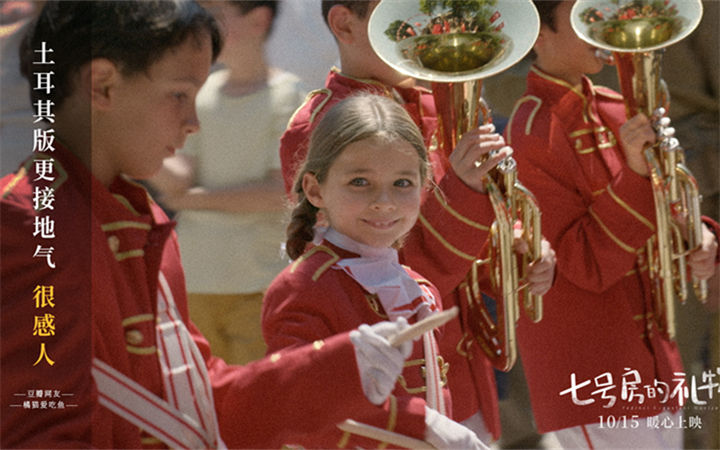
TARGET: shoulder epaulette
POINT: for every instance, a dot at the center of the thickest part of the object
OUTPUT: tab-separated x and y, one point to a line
334	257
608	93
308	98
61	176
59	171
324	91
528	101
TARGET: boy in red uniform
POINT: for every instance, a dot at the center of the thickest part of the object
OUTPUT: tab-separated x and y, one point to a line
455	217
598	354
97	348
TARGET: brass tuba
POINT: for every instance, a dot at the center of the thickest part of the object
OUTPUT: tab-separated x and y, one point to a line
454	45
636	32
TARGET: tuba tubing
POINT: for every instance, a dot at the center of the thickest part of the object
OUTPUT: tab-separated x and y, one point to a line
455	54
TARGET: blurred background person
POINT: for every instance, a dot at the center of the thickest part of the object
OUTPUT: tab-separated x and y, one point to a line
301	43
225	184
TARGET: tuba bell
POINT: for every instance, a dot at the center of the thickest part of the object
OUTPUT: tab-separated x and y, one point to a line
635	32
454	45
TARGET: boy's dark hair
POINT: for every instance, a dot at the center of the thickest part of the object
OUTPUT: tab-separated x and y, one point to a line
133	34
546	11
358	7
245	6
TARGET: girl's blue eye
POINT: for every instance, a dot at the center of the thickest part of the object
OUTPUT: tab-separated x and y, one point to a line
180	96
359	182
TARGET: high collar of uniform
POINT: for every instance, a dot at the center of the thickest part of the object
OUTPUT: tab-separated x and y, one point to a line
554	87
365	251
565	96
378	271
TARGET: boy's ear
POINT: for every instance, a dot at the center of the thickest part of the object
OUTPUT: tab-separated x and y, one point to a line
340	19
542	36
311	187
103	75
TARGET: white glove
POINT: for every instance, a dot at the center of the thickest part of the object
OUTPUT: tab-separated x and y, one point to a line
444	433
379	363
477	426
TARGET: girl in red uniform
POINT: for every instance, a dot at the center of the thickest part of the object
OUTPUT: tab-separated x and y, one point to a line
365	172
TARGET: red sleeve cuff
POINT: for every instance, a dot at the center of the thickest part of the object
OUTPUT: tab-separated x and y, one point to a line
625	210
470	204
